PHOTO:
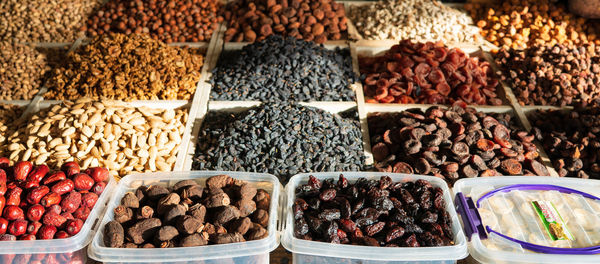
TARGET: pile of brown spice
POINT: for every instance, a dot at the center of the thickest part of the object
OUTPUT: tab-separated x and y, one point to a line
126	67
519	24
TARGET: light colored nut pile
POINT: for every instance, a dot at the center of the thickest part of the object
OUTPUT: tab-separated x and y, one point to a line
22	71
44	20
9	115
419	20
126	67
104	133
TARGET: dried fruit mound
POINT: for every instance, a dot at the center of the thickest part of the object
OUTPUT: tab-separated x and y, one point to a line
311	20
571	140
284	69
126	67
372	213
452	143
36	203
188	214
282	139
168	21
413	72
518	24
556	75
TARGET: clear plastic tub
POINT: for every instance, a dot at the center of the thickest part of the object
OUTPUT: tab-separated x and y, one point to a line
256	251
305	251
512	214
68	250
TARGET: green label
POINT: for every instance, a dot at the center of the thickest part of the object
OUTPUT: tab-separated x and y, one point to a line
552	221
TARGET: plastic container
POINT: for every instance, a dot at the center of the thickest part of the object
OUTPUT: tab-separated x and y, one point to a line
68	250
305	251
512	214
256	251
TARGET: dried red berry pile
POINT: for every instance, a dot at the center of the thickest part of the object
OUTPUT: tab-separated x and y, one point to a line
39	204
452	143
372	213
428	73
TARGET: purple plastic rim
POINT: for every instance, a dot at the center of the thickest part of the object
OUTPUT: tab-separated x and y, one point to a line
538	187
533	247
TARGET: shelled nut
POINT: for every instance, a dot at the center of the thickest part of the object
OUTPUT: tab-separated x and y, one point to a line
100	133
417	20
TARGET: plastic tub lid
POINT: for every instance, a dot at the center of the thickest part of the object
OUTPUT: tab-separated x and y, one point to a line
532	213
300	246
71	244
99	252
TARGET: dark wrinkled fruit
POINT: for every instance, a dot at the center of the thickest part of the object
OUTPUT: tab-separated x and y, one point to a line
371	212
283	139
453	143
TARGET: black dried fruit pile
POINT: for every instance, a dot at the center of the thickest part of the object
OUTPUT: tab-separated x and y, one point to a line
284	69
282	139
372	213
553	75
452	143
571	140
226	211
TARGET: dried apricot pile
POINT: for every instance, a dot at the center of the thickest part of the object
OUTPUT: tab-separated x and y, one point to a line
428	73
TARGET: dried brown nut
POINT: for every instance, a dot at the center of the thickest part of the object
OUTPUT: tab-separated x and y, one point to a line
180	185
123	214
217	199
226	213
173	212
192	192
164	204
227	238
167	233
193	240
257	232
145	212
246	207
188	224
143	231
198	211
130	200
241	225
114	235
261	217
218	181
